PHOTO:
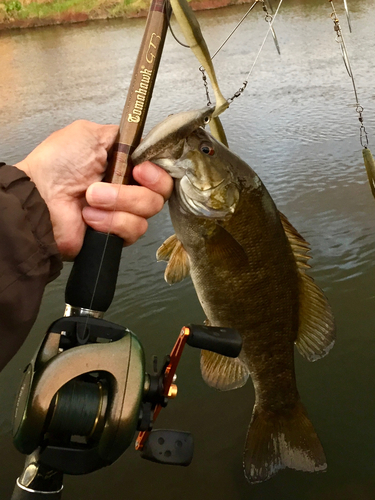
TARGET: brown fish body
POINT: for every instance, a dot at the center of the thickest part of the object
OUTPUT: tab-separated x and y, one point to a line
248	264
245	275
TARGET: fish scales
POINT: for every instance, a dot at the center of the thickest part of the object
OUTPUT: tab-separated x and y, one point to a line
248	265
268	277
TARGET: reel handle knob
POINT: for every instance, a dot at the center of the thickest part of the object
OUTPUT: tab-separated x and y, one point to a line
225	341
169	447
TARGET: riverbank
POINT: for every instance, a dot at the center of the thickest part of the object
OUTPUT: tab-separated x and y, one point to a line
32	13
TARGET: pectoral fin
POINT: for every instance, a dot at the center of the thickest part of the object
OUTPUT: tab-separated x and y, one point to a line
316	331
221	246
178	266
165	250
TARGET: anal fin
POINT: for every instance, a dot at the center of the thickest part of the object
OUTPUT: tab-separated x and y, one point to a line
223	373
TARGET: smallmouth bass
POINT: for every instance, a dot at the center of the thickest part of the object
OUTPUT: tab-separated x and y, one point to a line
248	266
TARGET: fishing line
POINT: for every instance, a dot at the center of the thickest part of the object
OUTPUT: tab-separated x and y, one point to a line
270	19
235	28
270	29
201	68
175	37
91	312
363	137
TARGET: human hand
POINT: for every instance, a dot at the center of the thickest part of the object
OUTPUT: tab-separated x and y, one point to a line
67	168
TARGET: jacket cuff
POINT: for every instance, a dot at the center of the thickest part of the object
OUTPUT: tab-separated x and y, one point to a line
32	246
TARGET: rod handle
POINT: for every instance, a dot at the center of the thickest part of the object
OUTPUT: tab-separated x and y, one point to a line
92	281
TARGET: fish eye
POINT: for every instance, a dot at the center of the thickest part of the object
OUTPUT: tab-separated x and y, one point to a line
207	150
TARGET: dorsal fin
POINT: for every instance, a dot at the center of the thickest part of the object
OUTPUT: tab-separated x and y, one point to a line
316	331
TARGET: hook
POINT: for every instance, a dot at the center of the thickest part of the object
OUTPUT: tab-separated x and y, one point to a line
269	20
347	15
275	40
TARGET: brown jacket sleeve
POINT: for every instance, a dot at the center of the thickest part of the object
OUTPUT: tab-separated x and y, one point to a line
29	258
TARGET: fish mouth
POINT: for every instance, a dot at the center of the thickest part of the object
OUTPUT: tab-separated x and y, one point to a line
171	166
201	202
189	173
202	189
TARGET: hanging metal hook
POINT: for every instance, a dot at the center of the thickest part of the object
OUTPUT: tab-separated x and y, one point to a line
347	15
269	5
346	61
269	20
340	41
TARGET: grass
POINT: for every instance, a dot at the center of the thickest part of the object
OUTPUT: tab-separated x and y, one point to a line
14	11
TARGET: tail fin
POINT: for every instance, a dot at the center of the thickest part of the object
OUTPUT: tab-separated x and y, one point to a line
276	441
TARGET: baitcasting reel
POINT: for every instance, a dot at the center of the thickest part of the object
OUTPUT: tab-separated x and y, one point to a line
85	395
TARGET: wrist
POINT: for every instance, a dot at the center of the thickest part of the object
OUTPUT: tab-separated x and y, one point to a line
24	166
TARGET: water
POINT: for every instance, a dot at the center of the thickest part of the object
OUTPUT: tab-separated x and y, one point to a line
297	127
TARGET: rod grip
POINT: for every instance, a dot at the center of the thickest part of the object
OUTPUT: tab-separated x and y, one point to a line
92	281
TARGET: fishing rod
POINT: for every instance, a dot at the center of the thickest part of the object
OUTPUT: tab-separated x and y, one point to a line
86	392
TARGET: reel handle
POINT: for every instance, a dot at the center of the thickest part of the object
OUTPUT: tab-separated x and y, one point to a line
225	341
22	493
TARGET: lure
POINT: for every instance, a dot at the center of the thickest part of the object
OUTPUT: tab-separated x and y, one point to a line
370	168
217	130
193	35
367	156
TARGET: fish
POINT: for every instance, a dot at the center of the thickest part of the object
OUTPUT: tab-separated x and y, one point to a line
249	268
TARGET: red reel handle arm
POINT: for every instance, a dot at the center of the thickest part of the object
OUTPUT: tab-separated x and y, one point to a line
170	371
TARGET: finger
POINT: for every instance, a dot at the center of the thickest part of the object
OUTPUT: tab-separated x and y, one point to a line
128	226
104	135
153	177
68	227
137	200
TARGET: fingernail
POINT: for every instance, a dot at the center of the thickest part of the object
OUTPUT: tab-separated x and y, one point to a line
149	172
104	194
93	214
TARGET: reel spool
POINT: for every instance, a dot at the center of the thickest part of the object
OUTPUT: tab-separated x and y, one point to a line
80	402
